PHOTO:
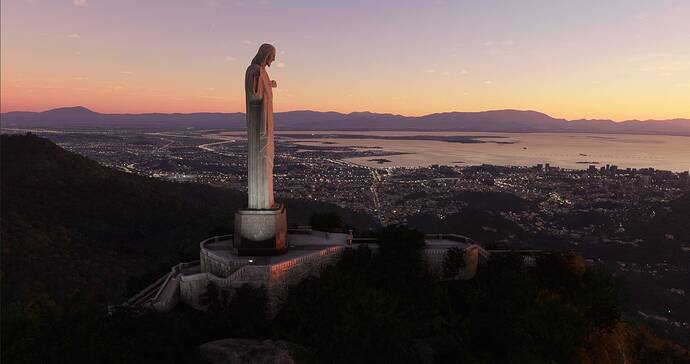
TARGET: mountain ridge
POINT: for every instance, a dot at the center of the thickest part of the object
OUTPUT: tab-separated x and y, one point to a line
505	120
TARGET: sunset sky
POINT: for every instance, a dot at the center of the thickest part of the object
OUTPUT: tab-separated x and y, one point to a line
622	59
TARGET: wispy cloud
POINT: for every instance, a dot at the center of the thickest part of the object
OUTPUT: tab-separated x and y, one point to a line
229	58
74	36
280	65
80	3
126	72
247	42
488	82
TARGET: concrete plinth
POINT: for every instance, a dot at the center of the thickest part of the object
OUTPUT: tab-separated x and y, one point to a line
261	232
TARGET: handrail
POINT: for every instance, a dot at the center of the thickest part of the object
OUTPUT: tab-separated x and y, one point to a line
147	290
215	239
174	271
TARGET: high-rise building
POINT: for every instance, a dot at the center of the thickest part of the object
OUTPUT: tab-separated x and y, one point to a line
684	180
644	180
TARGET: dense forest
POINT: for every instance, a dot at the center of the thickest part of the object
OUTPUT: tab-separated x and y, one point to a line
77	236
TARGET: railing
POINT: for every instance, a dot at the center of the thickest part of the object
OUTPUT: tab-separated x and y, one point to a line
214	239
452	237
144	294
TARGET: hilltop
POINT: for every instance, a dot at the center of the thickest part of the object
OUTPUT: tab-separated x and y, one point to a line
73	229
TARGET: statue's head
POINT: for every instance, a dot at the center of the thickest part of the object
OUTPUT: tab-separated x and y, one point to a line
265	55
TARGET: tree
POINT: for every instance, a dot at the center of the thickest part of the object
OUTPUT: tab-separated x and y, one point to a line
453	263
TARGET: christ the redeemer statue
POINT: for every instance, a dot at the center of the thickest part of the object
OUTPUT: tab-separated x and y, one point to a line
258	88
261	228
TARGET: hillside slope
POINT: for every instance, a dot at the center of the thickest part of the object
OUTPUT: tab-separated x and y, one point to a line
75	230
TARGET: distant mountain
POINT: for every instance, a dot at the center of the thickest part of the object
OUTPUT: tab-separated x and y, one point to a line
517	121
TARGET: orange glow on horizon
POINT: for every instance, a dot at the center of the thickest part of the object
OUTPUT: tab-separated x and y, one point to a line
617	67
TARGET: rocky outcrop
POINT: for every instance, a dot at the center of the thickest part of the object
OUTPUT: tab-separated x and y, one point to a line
245	351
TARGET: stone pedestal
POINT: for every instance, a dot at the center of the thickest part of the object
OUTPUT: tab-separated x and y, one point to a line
261	232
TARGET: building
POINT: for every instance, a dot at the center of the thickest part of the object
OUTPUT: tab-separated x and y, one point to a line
309	252
684	180
644	180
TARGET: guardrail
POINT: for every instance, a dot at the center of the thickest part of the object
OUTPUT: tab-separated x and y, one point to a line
214	239
452	237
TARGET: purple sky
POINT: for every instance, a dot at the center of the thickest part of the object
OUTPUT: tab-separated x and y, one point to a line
572	59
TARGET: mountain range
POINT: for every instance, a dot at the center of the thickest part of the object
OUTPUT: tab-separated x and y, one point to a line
511	121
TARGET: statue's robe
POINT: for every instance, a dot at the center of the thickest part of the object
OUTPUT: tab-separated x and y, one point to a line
260	137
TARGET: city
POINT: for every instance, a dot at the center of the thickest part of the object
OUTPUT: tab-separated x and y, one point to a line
592	211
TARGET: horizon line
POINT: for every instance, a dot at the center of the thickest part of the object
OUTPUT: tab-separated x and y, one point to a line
342	113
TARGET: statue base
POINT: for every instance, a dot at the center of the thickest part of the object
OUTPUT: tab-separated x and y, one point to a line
261	232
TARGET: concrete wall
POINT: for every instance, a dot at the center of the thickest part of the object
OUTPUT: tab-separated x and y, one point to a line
228	275
276	278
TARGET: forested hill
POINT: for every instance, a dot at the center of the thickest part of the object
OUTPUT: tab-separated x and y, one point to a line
73	229
76	235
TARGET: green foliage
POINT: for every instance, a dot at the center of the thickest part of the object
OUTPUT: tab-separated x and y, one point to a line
549	312
81	231
453	262
367	308
247	312
244	314
77	235
79	334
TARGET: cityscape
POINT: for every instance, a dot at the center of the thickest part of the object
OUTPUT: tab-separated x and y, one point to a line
543	206
426	181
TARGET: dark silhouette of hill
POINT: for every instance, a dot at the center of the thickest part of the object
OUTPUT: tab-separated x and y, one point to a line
483	121
75	234
73	229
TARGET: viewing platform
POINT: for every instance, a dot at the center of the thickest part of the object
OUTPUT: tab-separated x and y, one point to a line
309	252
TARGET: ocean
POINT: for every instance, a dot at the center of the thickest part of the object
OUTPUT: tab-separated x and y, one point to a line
566	150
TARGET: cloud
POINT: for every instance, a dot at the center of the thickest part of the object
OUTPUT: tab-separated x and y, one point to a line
81	3
444	73
280	65
463	71
247	42
429	70
488	82
229	58
80	78
74	36
126	72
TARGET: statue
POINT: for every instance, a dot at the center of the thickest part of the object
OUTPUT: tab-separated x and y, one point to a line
261	229
260	129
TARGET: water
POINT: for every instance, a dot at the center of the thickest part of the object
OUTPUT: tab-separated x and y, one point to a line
566	150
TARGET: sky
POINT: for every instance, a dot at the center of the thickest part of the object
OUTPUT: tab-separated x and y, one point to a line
608	59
